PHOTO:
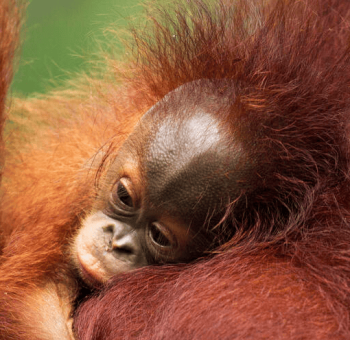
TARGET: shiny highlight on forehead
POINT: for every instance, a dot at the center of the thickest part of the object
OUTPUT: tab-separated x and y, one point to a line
179	143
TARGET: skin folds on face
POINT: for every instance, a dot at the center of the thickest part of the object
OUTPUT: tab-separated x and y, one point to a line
166	190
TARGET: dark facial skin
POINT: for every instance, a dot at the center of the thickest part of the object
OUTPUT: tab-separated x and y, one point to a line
166	190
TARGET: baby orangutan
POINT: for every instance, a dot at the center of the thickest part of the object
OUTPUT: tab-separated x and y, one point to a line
168	186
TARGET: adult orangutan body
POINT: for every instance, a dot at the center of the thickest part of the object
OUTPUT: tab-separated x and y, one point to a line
242	147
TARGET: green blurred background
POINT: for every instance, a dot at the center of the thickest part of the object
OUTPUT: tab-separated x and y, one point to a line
58	36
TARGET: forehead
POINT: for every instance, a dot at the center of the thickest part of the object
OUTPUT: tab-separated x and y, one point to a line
188	163
178	142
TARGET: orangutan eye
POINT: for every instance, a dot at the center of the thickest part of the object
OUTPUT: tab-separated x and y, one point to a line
161	237
121	195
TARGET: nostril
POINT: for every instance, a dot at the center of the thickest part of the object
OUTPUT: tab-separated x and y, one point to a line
123	250
108	228
124	244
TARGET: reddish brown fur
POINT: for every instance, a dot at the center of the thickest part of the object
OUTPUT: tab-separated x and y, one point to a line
285	273
227	297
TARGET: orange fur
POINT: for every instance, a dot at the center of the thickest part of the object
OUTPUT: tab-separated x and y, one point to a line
9	36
